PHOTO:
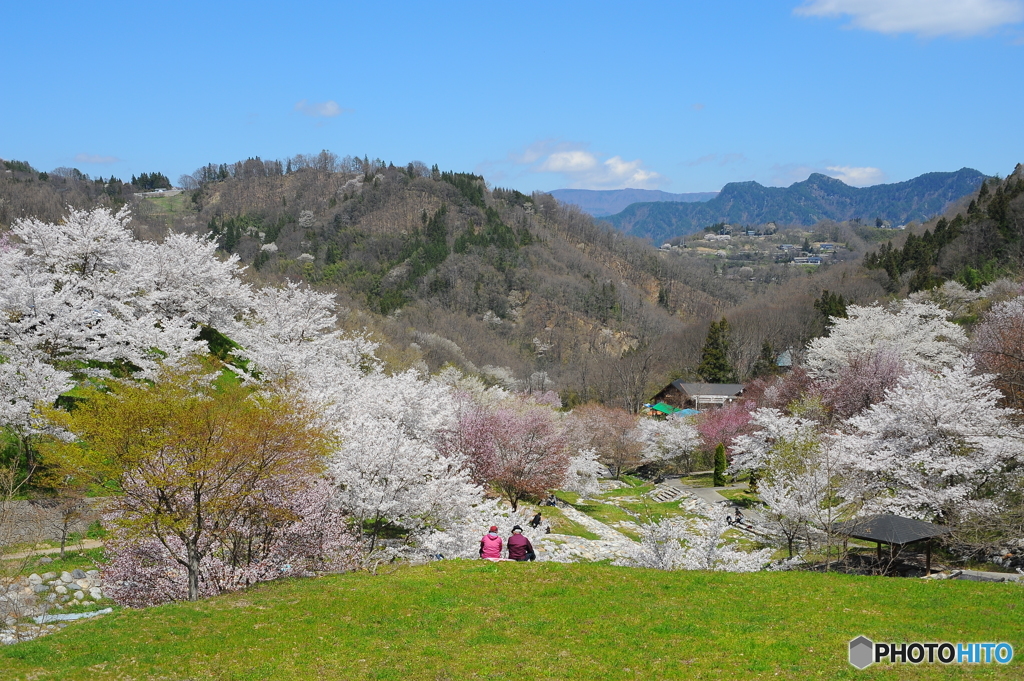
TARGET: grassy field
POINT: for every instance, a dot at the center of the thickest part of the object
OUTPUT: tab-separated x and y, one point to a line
464	619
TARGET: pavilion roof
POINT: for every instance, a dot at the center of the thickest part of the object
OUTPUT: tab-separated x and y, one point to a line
890	529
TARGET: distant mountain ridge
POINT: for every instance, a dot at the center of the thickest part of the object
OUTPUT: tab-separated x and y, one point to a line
601	202
819	197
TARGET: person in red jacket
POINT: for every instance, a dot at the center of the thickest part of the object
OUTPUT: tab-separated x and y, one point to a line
519	547
490	545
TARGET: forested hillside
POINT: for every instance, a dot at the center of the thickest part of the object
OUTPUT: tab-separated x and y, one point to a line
804	203
517	289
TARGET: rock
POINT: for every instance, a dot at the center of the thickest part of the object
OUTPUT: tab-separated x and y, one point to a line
92	574
79	596
66	577
95	593
83	583
44	560
40	588
78	573
35	579
65	599
61	589
49	576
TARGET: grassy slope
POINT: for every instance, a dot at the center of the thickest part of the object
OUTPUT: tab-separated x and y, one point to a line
460	619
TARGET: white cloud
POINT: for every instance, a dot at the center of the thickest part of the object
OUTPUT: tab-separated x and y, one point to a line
929	18
328	109
569	162
583	169
786	174
95	158
856	177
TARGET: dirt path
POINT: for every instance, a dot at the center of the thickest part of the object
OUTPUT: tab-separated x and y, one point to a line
85	544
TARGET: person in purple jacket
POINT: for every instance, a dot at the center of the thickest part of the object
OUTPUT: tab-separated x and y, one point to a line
519	547
490	545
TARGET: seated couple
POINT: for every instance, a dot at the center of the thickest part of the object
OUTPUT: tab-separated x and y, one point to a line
519	547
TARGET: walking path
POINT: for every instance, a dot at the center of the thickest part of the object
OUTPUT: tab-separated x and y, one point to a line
84	544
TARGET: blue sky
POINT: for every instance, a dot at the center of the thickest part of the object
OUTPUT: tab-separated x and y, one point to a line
680	96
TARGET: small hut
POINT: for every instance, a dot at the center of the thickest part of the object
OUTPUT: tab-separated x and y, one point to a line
698	395
894	530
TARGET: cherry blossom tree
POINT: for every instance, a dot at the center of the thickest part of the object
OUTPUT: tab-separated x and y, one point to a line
863	382
307	534
668	439
723	425
610	432
917	332
583	472
517	448
807	479
936	442
998	346
694	544
191	460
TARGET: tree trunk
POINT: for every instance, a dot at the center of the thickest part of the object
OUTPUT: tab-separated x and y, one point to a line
193	572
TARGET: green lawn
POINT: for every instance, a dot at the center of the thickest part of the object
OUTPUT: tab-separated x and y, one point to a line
628	504
741	496
553	516
170	205
465	619
86	559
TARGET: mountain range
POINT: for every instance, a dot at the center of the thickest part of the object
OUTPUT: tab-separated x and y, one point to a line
601	202
817	198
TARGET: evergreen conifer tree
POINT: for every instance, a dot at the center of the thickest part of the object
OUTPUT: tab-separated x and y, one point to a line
765	364
720	465
714	364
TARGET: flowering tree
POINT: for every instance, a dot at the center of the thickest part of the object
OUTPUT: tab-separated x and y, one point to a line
723	425
808	479
935	442
863	382
693	544
517	448
998	346
85	290
305	534
581	476
669	439
917	332
192	461
612	433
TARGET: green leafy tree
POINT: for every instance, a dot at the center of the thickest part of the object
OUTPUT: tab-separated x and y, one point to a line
189	457
714	364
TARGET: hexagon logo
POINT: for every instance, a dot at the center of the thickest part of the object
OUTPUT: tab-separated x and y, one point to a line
862	652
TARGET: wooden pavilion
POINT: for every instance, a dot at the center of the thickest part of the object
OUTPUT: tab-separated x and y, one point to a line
894	530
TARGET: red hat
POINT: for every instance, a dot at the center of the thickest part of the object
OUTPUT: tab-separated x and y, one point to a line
494	528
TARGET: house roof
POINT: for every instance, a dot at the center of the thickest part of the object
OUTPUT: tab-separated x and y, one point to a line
890	529
785	359
717	389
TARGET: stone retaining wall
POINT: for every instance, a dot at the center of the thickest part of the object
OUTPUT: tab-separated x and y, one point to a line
37	595
40	520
